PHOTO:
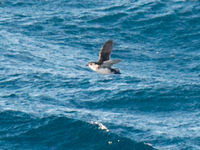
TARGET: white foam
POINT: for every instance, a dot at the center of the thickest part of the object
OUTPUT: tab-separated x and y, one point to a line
101	126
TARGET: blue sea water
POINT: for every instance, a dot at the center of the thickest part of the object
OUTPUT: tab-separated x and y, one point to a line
49	99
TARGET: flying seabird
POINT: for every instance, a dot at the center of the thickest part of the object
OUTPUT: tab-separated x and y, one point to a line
103	65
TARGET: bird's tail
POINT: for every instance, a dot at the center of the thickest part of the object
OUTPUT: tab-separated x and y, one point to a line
115	70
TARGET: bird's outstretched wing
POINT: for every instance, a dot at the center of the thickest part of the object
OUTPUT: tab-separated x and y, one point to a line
109	63
105	51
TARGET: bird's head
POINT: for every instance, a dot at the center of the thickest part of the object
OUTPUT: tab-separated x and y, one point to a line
91	64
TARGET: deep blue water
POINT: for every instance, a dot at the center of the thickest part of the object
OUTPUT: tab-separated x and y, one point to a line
49	99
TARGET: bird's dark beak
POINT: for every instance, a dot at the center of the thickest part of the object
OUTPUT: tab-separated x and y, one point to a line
86	65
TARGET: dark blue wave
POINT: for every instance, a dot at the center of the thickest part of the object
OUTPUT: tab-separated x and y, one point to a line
23	131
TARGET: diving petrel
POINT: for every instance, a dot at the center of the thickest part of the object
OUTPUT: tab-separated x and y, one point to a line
103	65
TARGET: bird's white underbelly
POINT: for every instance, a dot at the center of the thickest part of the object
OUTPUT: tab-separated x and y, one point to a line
104	71
101	70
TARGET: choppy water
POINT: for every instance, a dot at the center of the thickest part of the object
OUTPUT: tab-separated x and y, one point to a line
50	100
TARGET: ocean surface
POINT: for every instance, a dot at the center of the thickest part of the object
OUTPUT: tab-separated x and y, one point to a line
49	99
